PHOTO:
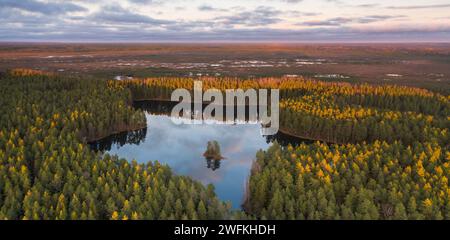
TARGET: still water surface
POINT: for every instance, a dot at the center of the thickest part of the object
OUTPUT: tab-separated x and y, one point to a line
182	147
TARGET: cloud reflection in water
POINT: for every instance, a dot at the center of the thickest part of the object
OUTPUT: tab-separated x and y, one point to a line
182	146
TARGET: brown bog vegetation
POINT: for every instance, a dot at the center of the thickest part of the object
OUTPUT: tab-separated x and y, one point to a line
420	65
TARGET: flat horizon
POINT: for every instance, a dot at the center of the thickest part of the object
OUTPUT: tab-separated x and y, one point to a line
226	42
225	21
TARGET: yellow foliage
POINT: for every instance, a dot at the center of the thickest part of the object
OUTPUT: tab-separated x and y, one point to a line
23	170
444	181
327	179
115	216
293	156
307	169
320	173
438	170
427	202
300	167
134	216
427	187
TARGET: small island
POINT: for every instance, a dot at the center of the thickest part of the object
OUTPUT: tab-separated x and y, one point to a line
213	151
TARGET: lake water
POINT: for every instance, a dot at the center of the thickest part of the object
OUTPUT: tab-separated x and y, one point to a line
182	147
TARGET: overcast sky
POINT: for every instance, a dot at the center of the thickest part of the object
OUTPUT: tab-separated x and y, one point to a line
224	20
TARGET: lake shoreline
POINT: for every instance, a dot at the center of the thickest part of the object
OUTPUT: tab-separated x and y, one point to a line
129	129
289	133
115	132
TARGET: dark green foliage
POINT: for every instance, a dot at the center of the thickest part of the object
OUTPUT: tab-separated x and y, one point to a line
48	172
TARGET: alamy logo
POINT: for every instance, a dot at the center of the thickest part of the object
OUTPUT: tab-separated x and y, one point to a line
237	101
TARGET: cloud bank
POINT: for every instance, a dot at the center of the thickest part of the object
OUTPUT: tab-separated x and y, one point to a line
200	20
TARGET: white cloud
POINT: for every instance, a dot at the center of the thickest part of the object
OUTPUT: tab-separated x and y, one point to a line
115	20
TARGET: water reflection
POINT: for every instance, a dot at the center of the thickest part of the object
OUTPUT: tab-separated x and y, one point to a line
213	164
182	148
165	108
132	137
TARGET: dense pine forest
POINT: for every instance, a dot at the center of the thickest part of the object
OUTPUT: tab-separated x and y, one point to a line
361	181
382	152
48	172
